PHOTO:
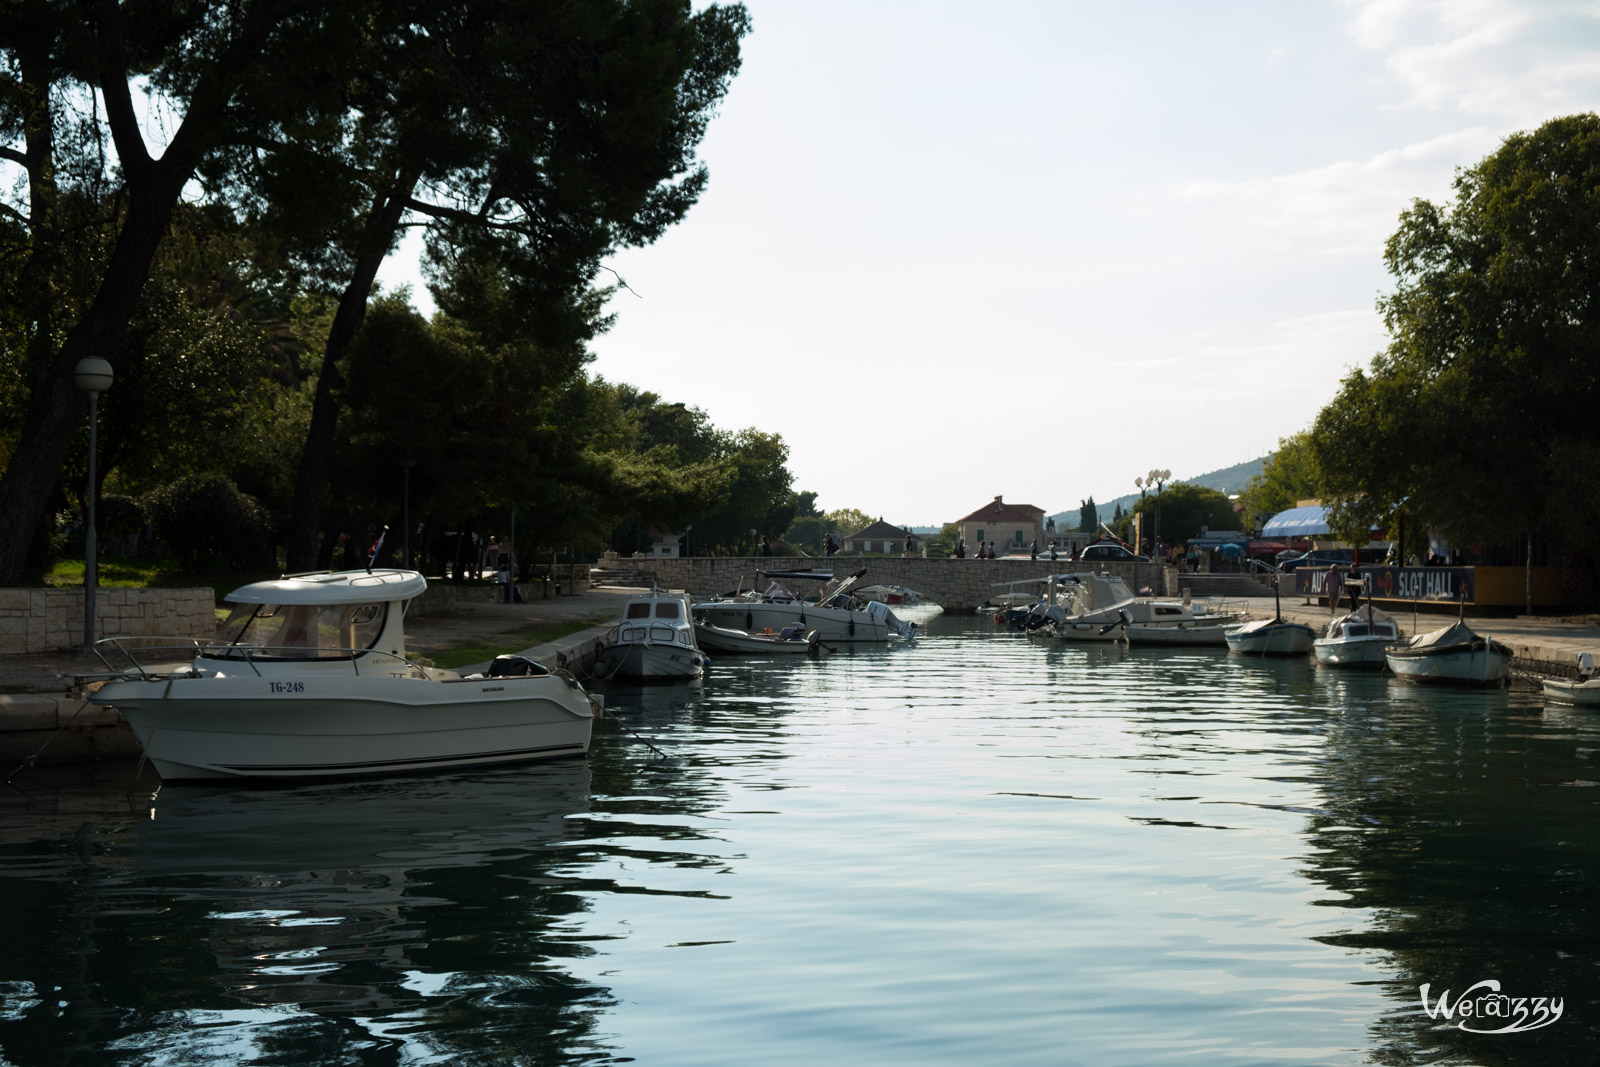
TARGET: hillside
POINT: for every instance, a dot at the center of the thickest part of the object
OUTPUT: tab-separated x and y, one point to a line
1229	480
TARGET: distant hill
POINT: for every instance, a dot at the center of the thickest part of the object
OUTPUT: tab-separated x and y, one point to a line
1228	480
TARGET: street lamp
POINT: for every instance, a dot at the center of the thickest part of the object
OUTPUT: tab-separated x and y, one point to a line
1138	541
1159	478
93	376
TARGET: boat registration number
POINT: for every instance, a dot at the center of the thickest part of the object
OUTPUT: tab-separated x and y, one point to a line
288	687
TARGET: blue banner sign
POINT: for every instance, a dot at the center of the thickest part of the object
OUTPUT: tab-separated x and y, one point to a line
1450	584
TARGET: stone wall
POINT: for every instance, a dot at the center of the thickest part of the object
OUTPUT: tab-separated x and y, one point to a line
40	620
955	584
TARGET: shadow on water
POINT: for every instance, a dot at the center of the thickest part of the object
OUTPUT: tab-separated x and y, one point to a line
1462	824
402	920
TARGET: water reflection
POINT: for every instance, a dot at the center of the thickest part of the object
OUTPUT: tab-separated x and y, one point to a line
970	849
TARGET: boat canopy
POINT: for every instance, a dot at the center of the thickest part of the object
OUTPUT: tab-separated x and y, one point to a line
332	587
1457	633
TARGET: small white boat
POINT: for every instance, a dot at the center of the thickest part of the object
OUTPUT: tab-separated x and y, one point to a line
791	640
1276	636
1453	655
894	595
1358	639
1192	632
308	678
1270	637
653	642
1583	691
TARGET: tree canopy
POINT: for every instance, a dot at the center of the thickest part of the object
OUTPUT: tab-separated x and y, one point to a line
1288	476
531	140
1478	419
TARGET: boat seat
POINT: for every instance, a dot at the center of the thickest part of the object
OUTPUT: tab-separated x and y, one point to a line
515	667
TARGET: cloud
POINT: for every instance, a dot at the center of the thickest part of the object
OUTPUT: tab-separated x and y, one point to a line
1345	206
1506	59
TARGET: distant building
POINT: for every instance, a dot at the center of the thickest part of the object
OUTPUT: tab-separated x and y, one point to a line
665	543
881	537
1013	527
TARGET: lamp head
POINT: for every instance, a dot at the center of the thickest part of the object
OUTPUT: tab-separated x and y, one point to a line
93	374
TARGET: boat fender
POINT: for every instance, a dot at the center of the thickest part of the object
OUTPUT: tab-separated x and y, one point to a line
852	626
749	621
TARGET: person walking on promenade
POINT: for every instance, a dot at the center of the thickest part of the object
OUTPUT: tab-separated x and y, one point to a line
961	548
1354	583
1333	584
1034	548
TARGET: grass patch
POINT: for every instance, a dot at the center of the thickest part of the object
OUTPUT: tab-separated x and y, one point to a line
122	573
461	653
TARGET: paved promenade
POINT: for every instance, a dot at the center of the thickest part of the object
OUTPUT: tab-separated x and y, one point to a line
35	709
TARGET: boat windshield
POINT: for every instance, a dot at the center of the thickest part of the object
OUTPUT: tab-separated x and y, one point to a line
299	631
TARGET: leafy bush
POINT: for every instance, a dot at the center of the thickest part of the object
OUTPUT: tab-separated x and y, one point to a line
207	523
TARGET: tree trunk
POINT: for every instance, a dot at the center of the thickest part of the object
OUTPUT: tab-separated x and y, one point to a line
1528	568
311	480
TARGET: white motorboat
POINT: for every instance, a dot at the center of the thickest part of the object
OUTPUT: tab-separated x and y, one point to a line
1270	637
791	640
1452	655
1358	639
836	613
1583	691
308	678
1100	607
653	642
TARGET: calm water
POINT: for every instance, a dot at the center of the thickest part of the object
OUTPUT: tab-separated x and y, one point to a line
971	851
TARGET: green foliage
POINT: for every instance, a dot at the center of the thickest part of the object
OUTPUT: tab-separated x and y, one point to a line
1479	417
1185	509
1088	516
207	523
1287	477
846	521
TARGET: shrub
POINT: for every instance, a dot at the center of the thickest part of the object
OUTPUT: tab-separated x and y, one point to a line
207	523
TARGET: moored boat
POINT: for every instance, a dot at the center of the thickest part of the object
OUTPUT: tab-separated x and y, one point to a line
1358	639
1583	690
654	641
837	614
308	678
1270	637
791	640
1454	655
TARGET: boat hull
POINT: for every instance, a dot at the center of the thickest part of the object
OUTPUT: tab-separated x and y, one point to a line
643	661
1215	636
1364	652
323	727
834	624
1271	639
1568	691
724	642
1456	666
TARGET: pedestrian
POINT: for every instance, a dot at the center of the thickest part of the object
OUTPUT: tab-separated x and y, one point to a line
961	548
828	547
766	547
908	544
1354	583
1332	584
1052	550
1034	548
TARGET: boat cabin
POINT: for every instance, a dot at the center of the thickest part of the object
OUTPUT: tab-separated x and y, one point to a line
320	616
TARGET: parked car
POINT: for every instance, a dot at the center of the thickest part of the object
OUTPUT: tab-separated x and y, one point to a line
1318	559
1110	553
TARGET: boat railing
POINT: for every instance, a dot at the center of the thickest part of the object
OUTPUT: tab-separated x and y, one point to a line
153	657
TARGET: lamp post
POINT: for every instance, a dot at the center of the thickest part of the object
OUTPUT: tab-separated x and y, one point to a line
406	465
1159	478
1138	542
93	376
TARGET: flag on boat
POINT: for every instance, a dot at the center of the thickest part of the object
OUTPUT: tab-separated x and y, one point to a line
376	545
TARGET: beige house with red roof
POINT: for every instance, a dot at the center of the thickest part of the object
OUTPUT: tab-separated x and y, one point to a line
1013	527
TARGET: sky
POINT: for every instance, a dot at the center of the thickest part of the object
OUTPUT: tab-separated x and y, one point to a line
1038	249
